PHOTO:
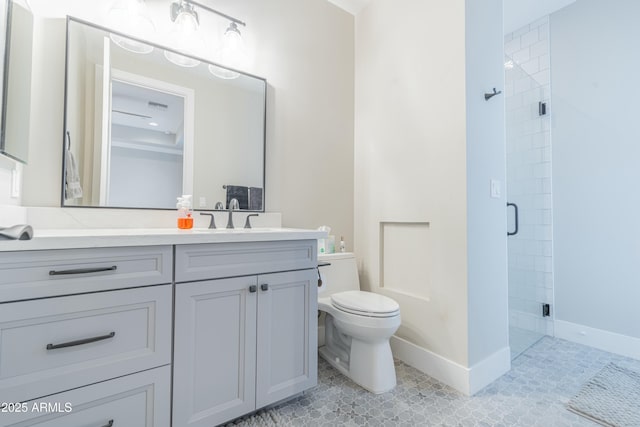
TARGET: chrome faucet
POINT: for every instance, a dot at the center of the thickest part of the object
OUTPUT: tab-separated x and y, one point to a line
233	206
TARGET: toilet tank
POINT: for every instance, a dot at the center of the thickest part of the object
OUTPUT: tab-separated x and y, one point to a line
340	276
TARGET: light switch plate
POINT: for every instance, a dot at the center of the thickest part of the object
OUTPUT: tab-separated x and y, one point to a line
496	190
203	202
15	183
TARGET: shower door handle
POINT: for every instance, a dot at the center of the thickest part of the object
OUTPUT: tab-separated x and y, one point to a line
515	209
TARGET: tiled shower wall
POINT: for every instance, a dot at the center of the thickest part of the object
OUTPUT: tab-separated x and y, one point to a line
527	82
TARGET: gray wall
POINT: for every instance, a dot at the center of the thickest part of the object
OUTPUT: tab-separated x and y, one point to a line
596	152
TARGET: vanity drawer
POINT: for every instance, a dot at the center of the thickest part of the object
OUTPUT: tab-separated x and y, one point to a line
138	400
220	260
39	274
56	344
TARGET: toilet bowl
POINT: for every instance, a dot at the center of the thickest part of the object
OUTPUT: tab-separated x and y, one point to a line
357	325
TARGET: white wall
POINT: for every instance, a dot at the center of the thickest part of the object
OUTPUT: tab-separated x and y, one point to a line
410	159
6	181
427	145
10	211
595	131
486	215
305	51
43	174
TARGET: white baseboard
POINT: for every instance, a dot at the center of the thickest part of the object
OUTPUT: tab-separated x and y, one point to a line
488	370
466	380
598	338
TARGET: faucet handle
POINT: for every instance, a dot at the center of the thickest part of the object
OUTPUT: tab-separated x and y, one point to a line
247	223
212	223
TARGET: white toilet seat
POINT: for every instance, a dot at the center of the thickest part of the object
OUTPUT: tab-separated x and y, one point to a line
364	321
367	304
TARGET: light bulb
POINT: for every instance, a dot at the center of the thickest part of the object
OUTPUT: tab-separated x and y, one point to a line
232	54
185	38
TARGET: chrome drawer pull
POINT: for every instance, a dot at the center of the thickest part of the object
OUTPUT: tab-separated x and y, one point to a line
80	342
82	271
109	424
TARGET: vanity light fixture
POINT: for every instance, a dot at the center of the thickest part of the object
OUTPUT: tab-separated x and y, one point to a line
231	53
130	16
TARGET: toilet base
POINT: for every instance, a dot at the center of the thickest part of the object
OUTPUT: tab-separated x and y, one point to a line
370	365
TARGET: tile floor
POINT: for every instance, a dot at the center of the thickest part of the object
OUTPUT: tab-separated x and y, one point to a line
521	339
533	393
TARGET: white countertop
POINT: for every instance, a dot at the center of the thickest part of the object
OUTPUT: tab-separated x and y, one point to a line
107	237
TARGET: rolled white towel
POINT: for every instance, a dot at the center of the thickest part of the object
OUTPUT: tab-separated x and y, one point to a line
72	188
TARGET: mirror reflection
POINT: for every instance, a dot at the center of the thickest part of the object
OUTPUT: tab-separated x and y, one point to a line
16	40
147	146
140	131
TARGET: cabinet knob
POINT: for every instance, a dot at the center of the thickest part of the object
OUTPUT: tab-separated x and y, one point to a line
264	287
253	288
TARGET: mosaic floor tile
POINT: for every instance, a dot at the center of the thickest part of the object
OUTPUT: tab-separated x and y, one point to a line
534	393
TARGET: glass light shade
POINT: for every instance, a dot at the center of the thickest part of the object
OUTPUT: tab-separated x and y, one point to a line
232	53
185	38
128	16
223	73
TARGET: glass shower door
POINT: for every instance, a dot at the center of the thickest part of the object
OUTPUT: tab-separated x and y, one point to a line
529	211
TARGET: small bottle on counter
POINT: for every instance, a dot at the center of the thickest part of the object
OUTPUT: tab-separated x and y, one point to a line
185	216
330	245
342	245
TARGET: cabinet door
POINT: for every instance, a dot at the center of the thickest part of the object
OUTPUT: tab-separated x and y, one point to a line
287	335
214	353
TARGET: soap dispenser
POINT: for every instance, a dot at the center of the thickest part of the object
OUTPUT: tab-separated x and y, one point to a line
185	218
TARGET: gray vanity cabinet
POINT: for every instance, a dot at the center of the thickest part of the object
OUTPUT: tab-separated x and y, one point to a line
85	337
242	343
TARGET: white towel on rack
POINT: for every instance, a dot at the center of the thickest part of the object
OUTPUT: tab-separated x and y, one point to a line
72	188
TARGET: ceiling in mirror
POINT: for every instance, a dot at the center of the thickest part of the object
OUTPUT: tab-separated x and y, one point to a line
141	131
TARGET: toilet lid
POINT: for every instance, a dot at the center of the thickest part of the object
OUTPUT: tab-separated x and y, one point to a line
365	303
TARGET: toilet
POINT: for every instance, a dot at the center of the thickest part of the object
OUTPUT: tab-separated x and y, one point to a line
357	325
